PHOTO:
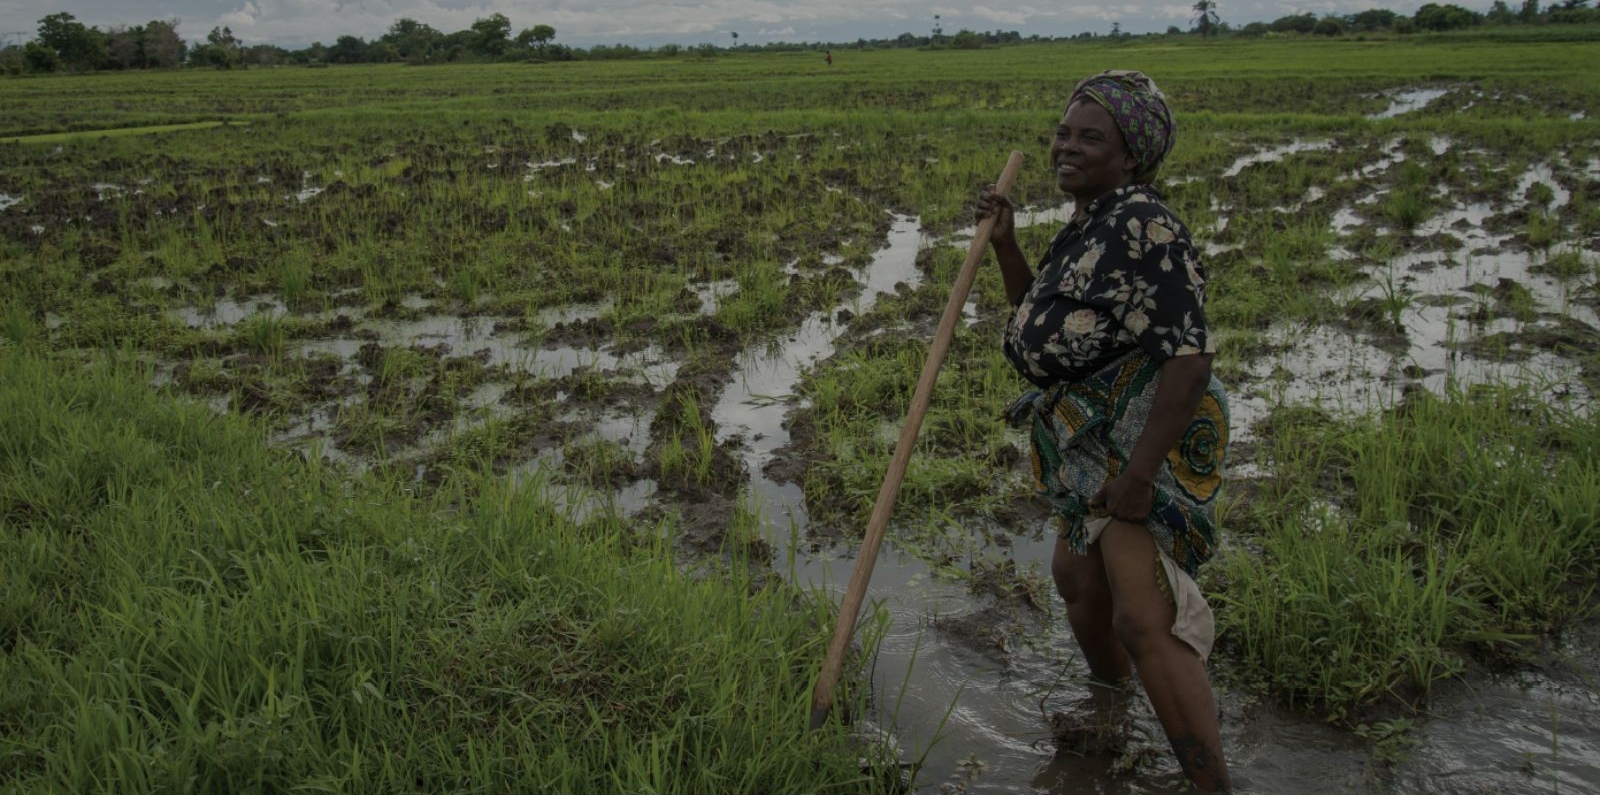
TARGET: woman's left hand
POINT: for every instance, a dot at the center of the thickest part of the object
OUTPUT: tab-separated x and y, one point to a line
1127	497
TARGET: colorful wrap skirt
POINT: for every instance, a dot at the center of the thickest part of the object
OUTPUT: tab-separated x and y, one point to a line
1083	432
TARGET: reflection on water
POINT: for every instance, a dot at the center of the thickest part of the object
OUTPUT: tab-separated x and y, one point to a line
1274	154
230	312
1408	101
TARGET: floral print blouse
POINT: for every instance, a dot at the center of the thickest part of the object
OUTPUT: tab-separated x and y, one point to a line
1126	274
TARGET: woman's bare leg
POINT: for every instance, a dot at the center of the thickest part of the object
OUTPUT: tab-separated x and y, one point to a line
1173	675
1081	581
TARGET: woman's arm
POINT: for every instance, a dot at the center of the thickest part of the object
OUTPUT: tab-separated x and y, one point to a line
1014	270
1128	496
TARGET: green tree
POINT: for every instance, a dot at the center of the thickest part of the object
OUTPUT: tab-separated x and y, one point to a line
163	49
1205	17
491	35
1529	12
966	40
1295	23
124	47
536	37
146	46
1450	16
263	55
1329	26
347	49
40	58
221	50
413	41
1372	19
77	46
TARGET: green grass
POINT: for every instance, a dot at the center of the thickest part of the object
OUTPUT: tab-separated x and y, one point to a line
55	138
183	609
1393	549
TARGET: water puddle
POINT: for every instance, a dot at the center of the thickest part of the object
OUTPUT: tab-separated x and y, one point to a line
578	502
711	294
551	317
1443	301
534	168
1274	154
307	190
754	403
1542	175
629	430
228	312
1391	156
1408	101
483	338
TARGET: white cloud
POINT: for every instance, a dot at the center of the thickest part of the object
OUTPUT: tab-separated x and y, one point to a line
242	19
1019	17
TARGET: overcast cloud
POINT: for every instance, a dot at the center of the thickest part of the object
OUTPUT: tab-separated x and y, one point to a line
646	23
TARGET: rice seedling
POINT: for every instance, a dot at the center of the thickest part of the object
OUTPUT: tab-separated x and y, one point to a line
451	642
1414	566
265	333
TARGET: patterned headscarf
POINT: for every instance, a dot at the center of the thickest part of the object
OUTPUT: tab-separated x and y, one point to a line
1140	111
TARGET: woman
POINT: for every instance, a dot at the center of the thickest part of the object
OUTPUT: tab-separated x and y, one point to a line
1128	426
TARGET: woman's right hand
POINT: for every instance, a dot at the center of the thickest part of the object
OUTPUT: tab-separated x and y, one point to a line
1005	227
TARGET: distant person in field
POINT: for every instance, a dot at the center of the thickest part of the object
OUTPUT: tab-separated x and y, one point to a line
1127	424
829	58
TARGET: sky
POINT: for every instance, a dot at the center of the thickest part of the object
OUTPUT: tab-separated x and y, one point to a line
649	23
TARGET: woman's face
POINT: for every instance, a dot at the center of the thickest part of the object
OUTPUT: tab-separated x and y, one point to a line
1088	153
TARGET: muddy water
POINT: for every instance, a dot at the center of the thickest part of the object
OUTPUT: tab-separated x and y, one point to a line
966	689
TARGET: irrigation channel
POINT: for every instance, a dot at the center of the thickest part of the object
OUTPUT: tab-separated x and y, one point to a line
967	688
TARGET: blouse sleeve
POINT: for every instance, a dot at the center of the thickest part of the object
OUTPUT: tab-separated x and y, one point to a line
1156	290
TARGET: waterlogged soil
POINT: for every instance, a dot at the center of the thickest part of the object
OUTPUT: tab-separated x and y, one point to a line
976	679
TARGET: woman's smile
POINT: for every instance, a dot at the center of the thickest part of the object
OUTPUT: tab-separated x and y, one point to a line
1089	155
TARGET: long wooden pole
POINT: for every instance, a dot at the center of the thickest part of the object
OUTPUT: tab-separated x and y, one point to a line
844	628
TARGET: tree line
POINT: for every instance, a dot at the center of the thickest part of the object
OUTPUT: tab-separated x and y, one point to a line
1431	17
64	44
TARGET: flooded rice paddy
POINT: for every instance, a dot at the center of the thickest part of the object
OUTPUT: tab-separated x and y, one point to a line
968	676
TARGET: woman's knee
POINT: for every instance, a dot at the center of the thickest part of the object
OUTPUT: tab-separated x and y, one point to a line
1143	621
1079	579
1137	630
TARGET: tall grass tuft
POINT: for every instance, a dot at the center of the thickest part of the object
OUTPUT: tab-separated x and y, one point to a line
15	325
1403	545
182	609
